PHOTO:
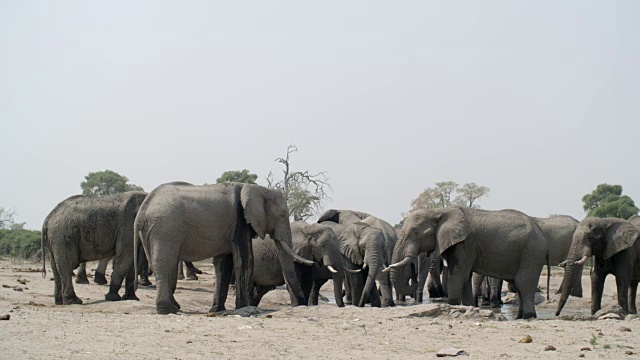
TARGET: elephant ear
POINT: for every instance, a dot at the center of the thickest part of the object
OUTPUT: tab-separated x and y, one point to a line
302	241
619	237
349	240
452	229
332	215
254	203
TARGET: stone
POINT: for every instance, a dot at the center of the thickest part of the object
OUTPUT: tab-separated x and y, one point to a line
610	310
450	352
628	352
526	340
549	348
585	349
609	316
5	317
624	328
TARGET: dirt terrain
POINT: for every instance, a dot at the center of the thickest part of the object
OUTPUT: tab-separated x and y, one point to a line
130	329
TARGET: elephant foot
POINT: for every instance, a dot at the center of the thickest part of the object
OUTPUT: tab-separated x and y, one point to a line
529	316
82	279
112	297
214	309
166	309
59	301
99	278
495	305
71	301
144	282
192	277
485	303
388	303
175	303
130	296
576	293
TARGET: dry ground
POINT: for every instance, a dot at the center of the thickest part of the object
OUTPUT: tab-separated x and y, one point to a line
130	329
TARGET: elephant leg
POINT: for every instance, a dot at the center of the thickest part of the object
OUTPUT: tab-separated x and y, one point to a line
165	264
445	282
633	288
180	272
347	291
597	287
495	290
460	262
622	284
81	277
527	286
318	282
374	299
486	291
143	269
242	255
65	267
385	289
99	276
258	292
57	290
120	270
129	285
190	274
423	275
223	266
520	307
357	285
476	284
306	283
467	292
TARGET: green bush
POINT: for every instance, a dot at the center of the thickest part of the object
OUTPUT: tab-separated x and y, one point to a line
24	244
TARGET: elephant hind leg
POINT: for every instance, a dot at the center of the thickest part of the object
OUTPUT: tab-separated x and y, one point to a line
526	286
57	290
81	277
223	266
165	263
258	292
64	268
633	288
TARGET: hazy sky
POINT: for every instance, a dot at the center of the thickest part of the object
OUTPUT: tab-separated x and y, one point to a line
540	101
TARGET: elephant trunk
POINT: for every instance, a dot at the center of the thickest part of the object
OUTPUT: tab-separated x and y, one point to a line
335	262
572	271
402	277
372	259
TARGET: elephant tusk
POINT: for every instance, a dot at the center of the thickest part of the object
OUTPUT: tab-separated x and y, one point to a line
353	271
582	261
444	261
364	266
332	269
296	257
563	264
400	264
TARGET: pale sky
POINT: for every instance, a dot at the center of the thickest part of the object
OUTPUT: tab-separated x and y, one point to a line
540	101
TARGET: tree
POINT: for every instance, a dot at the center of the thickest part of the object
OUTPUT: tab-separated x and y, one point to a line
241	176
106	183
469	193
305	192
6	218
607	201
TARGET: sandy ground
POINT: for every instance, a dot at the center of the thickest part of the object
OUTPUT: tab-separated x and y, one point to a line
130	329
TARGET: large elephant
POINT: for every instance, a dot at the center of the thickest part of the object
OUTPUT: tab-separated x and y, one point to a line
83	228
615	248
348	217
181	221
362	246
558	230
310	241
506	244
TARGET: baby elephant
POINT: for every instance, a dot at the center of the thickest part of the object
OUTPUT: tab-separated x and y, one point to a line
311	241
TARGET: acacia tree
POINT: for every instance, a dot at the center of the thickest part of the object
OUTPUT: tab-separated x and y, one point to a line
305	192
106	182
607	201
467	194
6	218
241	176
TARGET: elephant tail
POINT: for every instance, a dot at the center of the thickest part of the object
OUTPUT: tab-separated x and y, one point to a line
43	236
548	277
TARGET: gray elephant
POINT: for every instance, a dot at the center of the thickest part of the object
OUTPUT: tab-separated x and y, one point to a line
615	248
181	221
310	241
465	238
362	246
558	230
83	228
99	275
348	217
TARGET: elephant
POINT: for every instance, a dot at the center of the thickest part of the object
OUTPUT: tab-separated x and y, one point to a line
467	239
83	228
613	243
98	277
347	217
181	221
310	241
363	246
558	230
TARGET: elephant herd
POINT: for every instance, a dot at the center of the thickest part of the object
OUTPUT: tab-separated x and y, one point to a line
459	253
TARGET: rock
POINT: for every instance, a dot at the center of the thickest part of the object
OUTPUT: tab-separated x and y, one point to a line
432	310
323	298
609	316
246	311
580	355
6	286
624	328
610	310
5	317
526	340
549	348
22	281
632	317
17	288
450	352
628	352
585	349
